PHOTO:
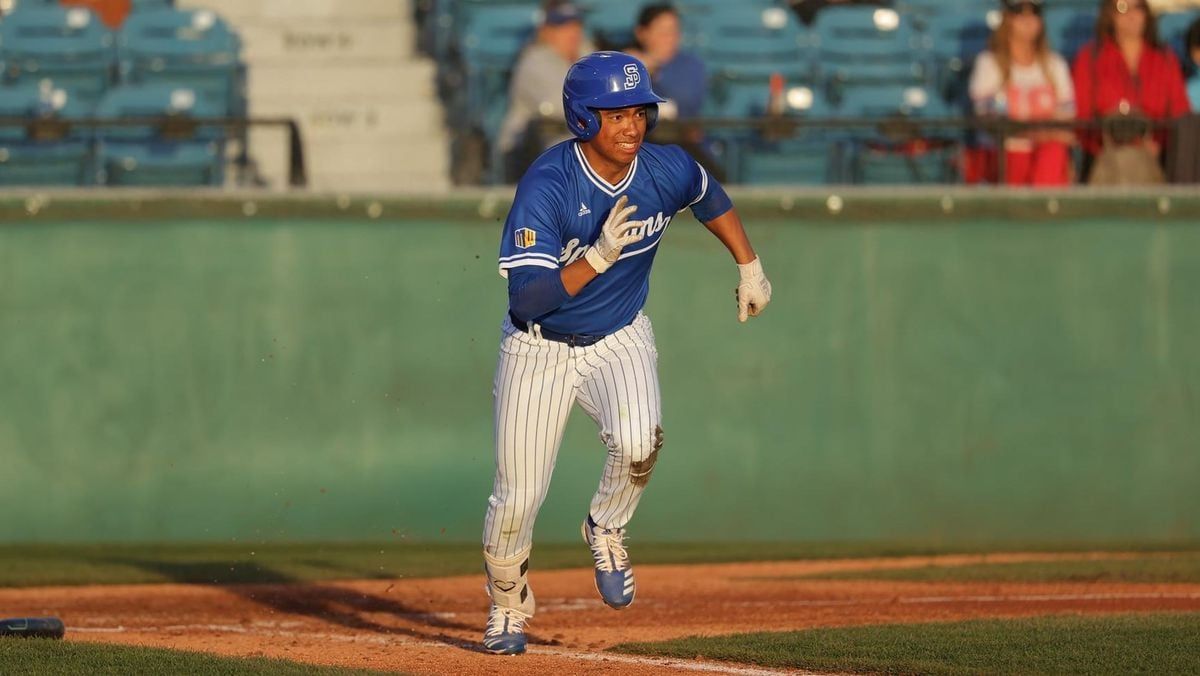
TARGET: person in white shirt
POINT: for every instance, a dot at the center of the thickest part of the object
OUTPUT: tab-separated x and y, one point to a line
1019	77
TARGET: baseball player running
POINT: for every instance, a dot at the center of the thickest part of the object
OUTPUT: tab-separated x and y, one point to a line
578	268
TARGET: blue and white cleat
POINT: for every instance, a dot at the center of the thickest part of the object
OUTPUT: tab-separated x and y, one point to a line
614	573
505	633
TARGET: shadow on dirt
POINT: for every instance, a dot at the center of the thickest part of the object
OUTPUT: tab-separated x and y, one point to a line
322	601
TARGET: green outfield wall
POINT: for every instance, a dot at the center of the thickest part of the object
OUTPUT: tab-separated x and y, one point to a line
170	374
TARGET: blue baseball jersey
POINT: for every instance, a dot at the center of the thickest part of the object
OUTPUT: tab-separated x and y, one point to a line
561	205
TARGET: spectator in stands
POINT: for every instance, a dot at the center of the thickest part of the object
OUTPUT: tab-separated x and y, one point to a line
111	12
678	76
1019	77
1125	74
535	91
1192	43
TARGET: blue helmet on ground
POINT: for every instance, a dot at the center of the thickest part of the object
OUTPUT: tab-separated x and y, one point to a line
606	80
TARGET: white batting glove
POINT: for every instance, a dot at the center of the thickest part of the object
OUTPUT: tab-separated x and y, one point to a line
618	232
754	291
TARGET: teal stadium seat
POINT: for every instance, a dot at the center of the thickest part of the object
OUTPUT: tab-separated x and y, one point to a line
186	48
1069	28
611	22
955	36
865	46
149	155
490	41
68	45
809	156
900	151
747	34
1172	30
36	155
147	5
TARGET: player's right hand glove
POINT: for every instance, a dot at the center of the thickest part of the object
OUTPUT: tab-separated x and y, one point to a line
617	233
754	291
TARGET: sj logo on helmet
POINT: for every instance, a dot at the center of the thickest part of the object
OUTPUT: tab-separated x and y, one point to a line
632	76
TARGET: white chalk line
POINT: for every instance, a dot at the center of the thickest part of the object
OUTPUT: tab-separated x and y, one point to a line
672	664
701	667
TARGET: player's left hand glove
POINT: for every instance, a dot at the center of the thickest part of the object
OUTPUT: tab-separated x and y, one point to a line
754	291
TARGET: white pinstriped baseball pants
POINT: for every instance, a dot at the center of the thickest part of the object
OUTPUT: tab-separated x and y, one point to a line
537	380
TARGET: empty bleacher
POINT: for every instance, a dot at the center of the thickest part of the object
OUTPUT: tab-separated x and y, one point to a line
63	68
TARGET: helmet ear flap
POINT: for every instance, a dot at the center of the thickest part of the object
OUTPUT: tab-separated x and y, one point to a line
585	124
651	117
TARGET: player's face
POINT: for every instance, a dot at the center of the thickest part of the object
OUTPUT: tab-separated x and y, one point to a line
621	134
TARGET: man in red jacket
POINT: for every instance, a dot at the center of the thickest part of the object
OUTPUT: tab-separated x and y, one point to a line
1126	71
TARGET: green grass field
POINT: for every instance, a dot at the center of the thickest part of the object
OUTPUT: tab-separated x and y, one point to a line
1180	567
229	563
1120	644
54	658
265	563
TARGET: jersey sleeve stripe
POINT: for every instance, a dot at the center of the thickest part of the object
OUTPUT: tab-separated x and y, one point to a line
526	262
703	185
531	254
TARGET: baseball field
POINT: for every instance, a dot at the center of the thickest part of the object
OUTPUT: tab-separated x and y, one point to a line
249	435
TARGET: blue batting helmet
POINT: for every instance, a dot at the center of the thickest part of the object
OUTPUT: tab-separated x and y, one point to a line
606	80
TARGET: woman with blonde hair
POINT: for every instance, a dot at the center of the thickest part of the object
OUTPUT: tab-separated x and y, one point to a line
1020	78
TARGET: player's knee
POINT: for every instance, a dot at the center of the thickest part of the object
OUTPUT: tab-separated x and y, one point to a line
643	455
515	505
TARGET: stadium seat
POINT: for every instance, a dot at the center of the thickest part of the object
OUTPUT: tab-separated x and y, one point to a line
900	149
43	154
955	36
865	46
1069	28
492	37
745	90
194	49
750	35
1172	30
808	156
146	5
611	22
68	45
174	152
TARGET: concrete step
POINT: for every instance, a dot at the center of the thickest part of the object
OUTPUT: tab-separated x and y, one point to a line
402	80
375	164
302	42
413	118
269	10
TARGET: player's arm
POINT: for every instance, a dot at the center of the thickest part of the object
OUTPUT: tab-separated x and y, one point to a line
714	209
754	290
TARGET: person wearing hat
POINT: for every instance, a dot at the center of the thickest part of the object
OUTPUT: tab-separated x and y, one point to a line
535	91
1020	78
1126	73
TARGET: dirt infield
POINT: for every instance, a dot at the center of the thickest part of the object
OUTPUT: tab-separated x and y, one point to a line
431	626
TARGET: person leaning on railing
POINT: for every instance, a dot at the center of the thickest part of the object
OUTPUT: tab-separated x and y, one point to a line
1129	81
1020	78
